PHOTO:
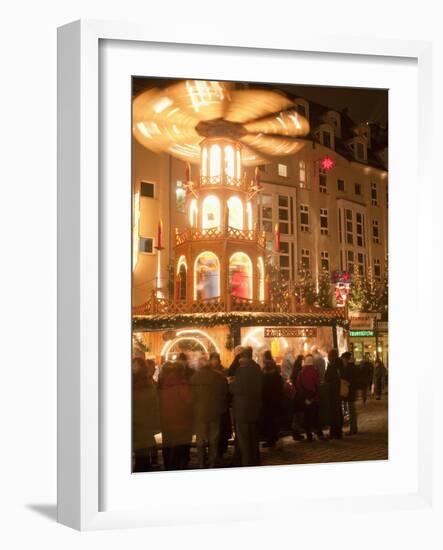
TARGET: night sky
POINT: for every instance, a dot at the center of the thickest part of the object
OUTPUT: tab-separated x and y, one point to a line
364	104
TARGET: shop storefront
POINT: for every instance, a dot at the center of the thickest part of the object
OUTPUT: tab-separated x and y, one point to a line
368	337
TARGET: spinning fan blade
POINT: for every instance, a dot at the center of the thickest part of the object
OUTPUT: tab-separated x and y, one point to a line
247	105
286	123
272	145
252	157
159	123
201	99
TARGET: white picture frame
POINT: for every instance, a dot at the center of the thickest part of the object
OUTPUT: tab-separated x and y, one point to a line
81	294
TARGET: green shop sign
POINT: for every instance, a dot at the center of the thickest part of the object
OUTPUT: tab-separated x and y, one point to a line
364	333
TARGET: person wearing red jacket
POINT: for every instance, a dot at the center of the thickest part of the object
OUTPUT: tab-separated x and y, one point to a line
307	387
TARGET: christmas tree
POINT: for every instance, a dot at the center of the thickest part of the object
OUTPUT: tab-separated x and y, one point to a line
305	287
324	295
278	286
358	293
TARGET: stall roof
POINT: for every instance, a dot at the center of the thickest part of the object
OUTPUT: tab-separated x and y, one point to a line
144	323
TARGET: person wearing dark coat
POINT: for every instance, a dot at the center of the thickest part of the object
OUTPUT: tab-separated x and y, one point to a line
308	385
298	405
366	375
145	415
176	413
225	419
235	363
272	399
209	391
246	390
379	378
350	374
332	379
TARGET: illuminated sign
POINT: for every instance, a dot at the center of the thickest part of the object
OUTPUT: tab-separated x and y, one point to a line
290	332
361	333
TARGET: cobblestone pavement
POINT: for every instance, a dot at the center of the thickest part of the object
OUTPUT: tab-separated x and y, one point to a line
371	443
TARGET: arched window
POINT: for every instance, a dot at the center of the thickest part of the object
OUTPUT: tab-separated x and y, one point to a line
229	161
261	279
249	215
215	161
240	275
204	166
238	164
235	207
206	276
193	212
182	272
210	212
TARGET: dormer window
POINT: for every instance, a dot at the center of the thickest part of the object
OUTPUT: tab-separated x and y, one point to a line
359	148
326	139
325	135
302	107
333	119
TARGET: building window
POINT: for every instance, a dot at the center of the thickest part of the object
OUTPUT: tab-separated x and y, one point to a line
204	165
301	109
324	229
357	187
304	217
285	260
350	260
341	185
305	258
249	215
377	270
283	214
361	263
326	139
215	161
324	260
267	213
235	208
323	182
261	278
360	151
240	275
349	227
147	245
302	175
210	212
229	161
206	276
374	199
360	229
193	213
375	232
283	170
181	279
147	189
180	197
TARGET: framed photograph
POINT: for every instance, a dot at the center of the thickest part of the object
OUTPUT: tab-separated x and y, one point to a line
235	225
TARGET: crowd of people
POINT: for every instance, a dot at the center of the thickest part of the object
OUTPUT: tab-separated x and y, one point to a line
248	401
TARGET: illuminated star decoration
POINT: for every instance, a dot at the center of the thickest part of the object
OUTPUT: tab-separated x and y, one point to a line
327	163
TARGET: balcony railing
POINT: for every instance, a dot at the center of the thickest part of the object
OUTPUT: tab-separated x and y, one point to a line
163	306
216	233
223	180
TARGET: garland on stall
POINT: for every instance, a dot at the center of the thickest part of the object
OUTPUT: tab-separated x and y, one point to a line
173	321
